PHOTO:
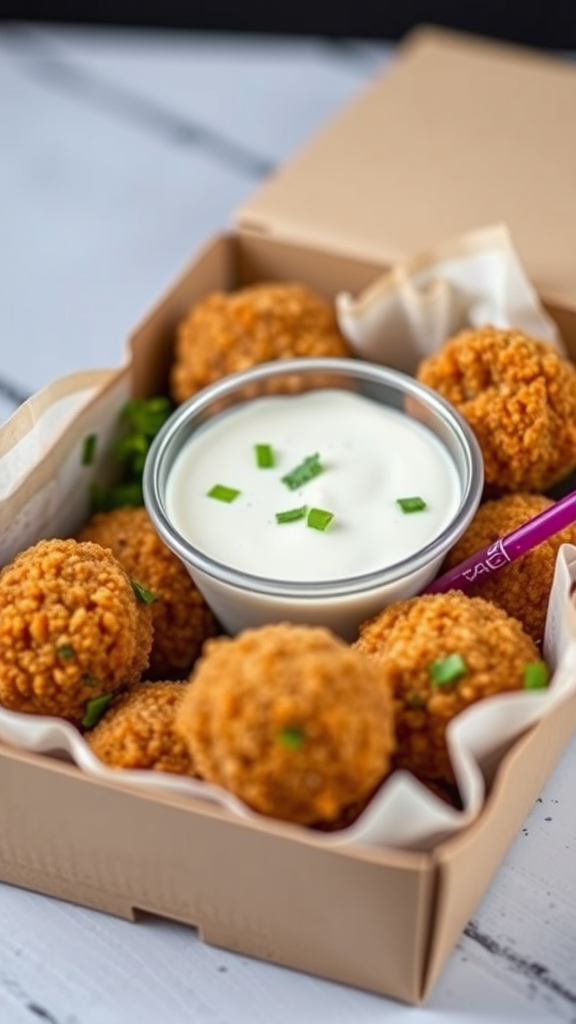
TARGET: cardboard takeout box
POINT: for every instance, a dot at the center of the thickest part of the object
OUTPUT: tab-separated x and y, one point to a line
459	133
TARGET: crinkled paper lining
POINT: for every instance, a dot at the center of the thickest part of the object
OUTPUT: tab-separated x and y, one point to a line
403	813
51	500
471	281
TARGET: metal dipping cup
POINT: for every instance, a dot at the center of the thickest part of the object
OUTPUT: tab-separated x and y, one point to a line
239	599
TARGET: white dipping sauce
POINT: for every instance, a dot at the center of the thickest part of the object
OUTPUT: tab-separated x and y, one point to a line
371	455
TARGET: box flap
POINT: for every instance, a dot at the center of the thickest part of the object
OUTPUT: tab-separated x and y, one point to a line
460	133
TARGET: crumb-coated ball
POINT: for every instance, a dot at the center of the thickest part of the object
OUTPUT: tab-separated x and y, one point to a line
228	332
137	730
290	720
440	653
521	588
71	629
519	397
181	618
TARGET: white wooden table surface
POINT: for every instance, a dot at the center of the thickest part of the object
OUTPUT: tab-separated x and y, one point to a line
120	152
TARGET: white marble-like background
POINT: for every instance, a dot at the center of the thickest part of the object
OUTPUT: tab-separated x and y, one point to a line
120	153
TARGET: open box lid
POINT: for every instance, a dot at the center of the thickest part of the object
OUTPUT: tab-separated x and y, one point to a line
459	134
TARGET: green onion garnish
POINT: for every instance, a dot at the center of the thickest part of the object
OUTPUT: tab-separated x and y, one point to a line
145	416
447	670
95	708
291	737
89	449
140	420
131	451
65	651
104	499
223	493
319	518
88	680
292	514
535	675
301	474
264	456
415	504
142	594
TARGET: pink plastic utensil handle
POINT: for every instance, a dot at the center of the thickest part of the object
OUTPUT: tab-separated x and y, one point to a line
506	549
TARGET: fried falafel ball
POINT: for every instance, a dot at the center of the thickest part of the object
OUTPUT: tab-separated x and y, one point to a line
71	629
440	653
522	588
228	332
181	618
137	730
519	397
289	719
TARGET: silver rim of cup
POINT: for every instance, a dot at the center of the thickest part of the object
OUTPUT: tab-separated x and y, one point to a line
456	434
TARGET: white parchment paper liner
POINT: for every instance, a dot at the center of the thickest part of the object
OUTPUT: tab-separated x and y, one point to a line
32	431
471	281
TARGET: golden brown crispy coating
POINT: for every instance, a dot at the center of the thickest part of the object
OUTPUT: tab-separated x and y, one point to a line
521	588
290	719
137	730
349	814
180	615
229	332
519	397
406	638
71	629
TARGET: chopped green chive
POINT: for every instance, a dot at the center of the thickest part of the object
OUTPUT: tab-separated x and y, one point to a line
89	449
131	451
223	493
291	737
65	651
139	421
104	499
319	518
142	594
415	504
535	676
307	470
88	680
264	456
447	670
95	708
292	514
145	416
